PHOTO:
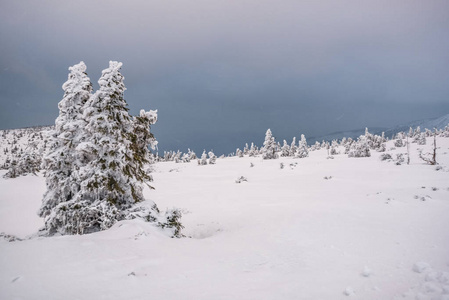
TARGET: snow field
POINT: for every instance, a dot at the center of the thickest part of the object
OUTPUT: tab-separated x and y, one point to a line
284	234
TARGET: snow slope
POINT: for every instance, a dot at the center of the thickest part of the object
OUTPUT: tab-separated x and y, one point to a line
374	230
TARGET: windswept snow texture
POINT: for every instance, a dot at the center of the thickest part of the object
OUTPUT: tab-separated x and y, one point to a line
372	230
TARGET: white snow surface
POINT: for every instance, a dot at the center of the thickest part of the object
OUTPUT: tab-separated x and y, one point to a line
372	230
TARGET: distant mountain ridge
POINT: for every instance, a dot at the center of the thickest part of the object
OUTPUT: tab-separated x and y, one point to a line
438	123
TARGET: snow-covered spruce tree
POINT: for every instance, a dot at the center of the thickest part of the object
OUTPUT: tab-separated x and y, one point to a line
399	140
111	158
177	158
334	146
420	138
253	151
285	150
410	132
203	160
445	132
246	149
360	148
348	145
212	158
302	150
293	147
269	146
113	175
417	132
238	152
61	161
191	154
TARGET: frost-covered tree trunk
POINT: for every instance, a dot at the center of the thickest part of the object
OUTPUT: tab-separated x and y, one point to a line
62	161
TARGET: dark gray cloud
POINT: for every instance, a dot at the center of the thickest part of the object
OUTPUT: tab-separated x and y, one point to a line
222	72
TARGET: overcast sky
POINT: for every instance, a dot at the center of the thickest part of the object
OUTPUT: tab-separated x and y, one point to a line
221	72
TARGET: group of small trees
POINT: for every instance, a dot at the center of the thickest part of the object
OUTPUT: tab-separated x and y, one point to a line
94	165
23	151
270	148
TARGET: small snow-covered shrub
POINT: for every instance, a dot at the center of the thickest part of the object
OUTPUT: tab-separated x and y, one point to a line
172	220
9	237
241	179
382	148
399	159
385	156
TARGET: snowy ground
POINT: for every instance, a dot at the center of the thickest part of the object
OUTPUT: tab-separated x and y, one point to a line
374	230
